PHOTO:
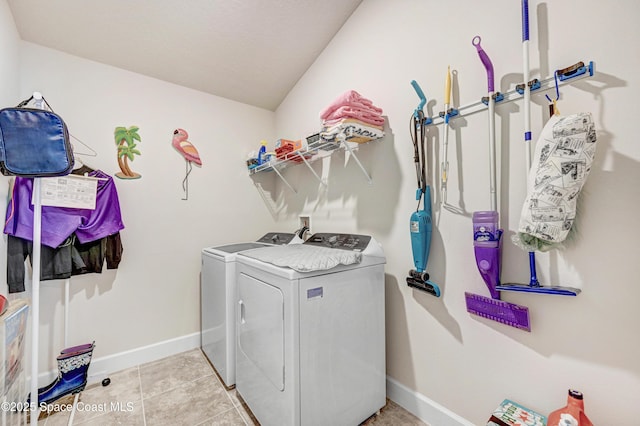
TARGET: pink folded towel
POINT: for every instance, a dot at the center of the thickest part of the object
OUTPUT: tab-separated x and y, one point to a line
353	99
352	112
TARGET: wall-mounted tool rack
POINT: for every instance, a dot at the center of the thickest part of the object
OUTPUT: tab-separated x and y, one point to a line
562	77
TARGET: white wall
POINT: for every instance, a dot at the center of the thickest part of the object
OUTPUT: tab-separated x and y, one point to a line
9	57
154	294
9	42
434	347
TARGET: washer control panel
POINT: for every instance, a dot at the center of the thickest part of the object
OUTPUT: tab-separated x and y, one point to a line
351	242
277	238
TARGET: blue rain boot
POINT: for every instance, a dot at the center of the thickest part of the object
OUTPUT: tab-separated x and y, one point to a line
78	348
72	375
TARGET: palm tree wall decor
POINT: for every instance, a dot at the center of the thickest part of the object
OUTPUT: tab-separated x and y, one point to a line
126	142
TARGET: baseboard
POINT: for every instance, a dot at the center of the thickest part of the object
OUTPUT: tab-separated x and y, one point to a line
100	368
417	404
422	407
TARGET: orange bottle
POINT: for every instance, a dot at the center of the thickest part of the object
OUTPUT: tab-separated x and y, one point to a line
571	415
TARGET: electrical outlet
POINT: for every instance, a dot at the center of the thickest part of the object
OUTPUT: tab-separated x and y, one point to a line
305	221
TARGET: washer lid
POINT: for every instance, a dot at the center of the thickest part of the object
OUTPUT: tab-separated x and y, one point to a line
234	248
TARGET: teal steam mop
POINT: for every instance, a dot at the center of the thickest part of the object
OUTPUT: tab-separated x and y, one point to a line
420	222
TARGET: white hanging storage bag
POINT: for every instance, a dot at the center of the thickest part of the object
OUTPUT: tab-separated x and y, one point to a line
561	163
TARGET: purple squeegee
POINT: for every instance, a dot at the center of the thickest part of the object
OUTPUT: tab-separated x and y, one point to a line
498	310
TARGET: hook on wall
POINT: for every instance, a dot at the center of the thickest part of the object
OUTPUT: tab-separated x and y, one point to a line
553	103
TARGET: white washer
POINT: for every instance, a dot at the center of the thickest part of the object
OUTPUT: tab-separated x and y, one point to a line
218	301
311	345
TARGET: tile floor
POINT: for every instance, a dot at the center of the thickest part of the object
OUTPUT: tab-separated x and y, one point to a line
179	390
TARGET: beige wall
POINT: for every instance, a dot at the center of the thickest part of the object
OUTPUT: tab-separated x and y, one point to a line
434	347
8	55
9	42
154	294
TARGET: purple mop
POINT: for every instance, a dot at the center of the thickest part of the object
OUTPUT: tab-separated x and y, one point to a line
488	236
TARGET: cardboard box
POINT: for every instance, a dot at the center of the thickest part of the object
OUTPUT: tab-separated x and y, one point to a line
510	413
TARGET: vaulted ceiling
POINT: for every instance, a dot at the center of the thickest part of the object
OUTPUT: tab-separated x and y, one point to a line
251	51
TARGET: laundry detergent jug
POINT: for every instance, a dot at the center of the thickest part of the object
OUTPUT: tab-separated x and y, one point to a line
572	414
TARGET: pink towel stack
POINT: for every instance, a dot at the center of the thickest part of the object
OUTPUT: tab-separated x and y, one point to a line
353	116
352	105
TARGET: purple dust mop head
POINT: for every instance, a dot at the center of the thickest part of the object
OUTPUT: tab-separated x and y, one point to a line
498	310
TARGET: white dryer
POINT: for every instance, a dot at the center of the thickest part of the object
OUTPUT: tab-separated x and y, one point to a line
311	341
218	301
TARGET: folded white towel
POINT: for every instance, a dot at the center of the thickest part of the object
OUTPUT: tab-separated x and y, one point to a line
353	131
304	258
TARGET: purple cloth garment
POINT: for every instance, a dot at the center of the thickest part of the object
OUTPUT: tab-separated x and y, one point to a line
58	223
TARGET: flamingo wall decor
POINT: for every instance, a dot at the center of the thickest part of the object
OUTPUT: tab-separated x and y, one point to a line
190	154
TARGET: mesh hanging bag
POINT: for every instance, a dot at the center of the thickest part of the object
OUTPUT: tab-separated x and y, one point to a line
561	163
